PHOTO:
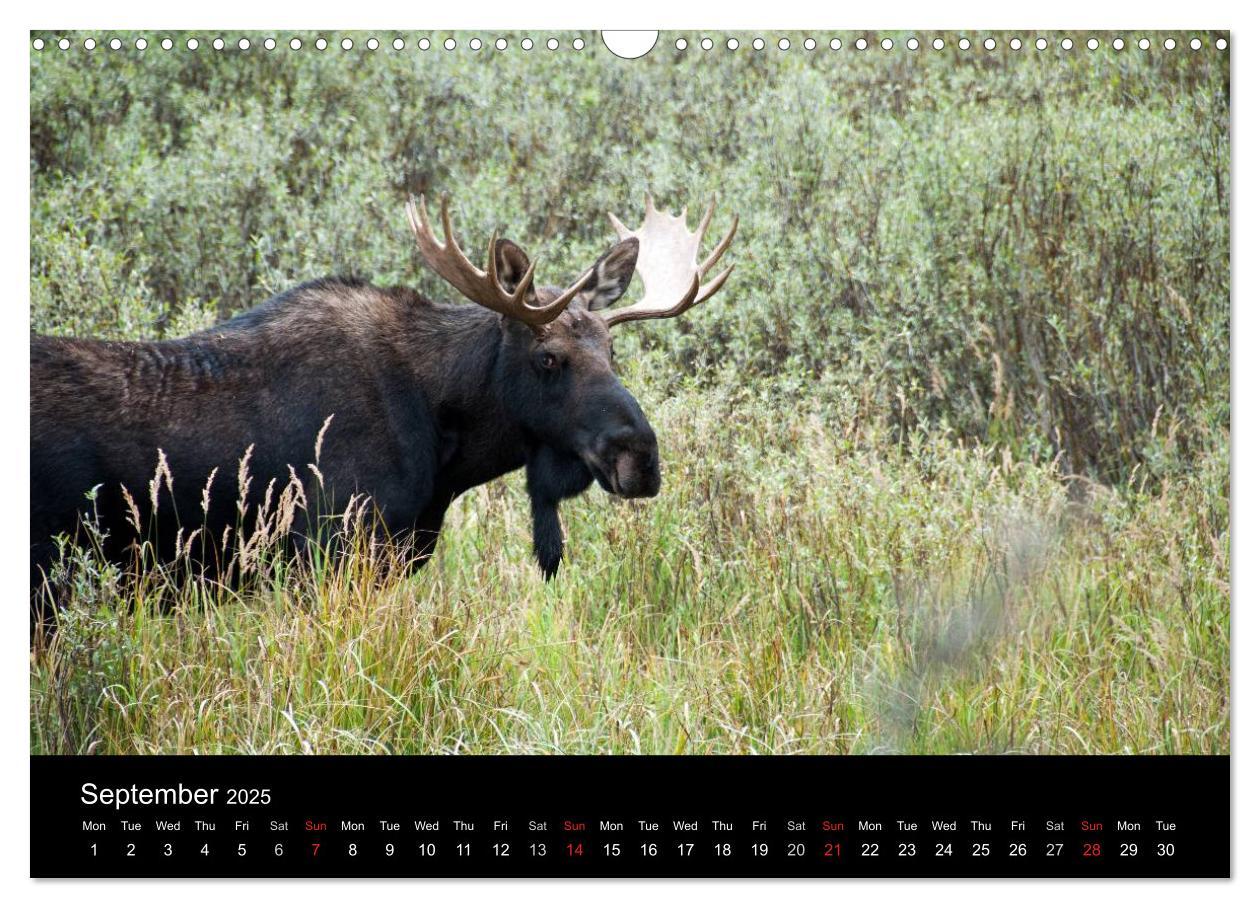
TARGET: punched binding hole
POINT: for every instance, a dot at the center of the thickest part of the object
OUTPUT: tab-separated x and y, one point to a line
630	45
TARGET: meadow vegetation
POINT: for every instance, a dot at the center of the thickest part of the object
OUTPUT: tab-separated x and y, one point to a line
946	464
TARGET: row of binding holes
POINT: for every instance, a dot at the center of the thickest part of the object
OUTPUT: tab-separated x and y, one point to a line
939	44
319	44
680	44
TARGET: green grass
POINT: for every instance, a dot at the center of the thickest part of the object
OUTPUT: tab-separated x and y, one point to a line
793	589
946	465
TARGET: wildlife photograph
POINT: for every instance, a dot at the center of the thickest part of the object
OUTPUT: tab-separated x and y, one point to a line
490	393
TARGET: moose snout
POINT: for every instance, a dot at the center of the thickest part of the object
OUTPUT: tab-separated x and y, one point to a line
638	473
630	461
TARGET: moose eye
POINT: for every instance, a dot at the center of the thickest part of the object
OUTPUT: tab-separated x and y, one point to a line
548	361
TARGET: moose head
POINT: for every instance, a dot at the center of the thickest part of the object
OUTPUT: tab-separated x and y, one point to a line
555	362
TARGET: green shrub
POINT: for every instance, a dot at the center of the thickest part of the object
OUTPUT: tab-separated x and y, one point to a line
1020	247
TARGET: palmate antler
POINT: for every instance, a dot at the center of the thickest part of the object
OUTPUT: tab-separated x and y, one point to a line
667	264
482	287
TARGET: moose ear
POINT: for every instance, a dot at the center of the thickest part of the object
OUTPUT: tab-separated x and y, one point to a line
611	275
512	263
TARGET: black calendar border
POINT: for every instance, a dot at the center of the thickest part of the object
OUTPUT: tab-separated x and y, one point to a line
1193	789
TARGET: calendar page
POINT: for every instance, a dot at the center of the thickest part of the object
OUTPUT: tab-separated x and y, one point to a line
702	453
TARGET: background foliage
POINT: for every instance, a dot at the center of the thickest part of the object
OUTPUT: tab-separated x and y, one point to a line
956	429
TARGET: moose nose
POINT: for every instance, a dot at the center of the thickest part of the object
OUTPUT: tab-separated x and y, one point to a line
632	461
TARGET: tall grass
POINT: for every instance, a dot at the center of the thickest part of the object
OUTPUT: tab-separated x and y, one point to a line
790	591
946	463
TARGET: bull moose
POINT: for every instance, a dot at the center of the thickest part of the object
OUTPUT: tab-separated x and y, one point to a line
420	401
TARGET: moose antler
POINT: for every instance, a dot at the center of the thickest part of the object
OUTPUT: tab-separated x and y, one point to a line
667	264
482	287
